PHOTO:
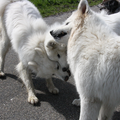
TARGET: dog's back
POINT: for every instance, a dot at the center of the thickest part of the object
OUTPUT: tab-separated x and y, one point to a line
96	51
112	20
20	19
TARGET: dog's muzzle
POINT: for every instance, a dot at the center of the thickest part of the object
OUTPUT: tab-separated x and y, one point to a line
67	77
69	73
66	70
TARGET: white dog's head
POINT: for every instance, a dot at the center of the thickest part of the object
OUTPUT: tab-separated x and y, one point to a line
60	73
62	32
56	51
48	70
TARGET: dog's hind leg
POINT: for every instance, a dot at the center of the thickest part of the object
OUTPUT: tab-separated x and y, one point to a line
4	46
51	87
26	78
89	109
105	112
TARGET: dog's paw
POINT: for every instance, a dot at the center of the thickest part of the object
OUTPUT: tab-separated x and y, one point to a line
76	102
2	74
53	90
33	99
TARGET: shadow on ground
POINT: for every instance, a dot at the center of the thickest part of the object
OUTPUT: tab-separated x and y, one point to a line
62	102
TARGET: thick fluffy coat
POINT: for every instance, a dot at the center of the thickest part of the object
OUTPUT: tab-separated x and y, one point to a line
94	59
24	28
111	20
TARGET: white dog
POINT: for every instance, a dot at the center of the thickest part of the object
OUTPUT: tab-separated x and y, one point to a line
24	28
62	32
94	59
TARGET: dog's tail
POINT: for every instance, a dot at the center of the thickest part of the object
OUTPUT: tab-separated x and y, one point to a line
3	4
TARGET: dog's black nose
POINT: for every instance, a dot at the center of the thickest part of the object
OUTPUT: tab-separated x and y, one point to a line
66	78
64	69
51	32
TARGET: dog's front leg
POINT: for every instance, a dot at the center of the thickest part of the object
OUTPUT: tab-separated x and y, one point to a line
89	109
26	78
106	111
4	47
51	87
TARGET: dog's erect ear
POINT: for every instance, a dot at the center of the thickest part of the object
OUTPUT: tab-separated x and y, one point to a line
51	45
83	7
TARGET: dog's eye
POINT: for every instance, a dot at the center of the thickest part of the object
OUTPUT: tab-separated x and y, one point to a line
67	23
58	55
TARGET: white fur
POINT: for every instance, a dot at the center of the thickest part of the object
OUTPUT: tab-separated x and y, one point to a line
24	28
53	52
112	20
94	59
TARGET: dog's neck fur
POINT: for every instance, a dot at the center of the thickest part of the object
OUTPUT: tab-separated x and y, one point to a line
88	27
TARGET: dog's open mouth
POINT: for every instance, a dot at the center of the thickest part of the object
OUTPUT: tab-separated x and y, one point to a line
58	35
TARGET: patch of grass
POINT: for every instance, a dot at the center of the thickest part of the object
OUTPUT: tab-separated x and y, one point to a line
94	2
53	7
